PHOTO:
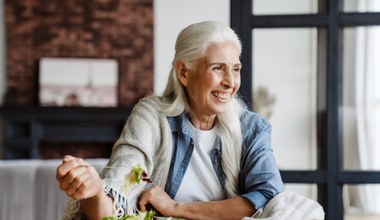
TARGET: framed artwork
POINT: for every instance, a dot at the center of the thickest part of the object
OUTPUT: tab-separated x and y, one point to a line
78	82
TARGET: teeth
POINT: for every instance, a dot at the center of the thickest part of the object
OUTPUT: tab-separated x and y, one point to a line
221	95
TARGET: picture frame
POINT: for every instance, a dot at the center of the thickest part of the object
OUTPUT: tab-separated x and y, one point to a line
79	82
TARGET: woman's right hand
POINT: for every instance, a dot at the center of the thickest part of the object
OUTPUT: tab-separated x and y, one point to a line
78	179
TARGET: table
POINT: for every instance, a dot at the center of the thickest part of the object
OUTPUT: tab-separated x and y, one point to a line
29	190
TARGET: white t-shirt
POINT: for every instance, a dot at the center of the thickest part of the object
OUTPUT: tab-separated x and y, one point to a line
200	182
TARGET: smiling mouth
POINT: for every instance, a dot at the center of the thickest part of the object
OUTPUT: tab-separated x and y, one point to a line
221	96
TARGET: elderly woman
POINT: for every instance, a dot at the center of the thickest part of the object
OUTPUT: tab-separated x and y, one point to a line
207	155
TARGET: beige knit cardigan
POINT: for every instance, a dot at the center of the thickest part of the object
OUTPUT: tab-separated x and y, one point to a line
145	140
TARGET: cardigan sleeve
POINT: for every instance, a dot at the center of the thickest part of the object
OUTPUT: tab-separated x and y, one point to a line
145	141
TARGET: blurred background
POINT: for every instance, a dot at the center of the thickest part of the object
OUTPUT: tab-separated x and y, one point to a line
310	67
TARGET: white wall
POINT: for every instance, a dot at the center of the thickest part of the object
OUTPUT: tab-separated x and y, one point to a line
170	17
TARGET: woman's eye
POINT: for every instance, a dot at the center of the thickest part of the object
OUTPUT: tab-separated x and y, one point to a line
218	69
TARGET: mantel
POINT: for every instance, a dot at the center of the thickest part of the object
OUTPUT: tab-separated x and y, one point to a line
25	129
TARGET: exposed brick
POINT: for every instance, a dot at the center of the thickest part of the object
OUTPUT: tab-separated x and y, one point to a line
119	29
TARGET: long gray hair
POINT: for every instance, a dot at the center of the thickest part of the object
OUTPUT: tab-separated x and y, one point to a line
191	45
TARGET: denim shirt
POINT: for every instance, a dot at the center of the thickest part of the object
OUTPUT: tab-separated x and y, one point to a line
259	178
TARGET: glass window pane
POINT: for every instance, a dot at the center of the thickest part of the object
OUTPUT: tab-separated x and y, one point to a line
284	86
361	98
361	202
307	190
268	7
361	6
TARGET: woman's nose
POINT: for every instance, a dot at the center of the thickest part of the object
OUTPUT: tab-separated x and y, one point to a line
228	79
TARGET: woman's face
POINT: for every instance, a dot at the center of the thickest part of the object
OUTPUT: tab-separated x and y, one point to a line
214	81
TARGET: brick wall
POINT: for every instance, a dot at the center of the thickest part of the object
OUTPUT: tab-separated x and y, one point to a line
119	29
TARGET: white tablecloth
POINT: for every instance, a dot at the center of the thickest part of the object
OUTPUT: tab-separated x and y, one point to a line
29	190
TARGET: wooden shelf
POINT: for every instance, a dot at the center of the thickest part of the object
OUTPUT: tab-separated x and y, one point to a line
25	129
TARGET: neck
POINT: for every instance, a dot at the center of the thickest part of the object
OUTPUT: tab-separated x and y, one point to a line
202	123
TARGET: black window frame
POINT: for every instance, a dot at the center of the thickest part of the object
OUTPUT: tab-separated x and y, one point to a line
330	21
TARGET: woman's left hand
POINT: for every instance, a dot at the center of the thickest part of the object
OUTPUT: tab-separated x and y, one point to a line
159	199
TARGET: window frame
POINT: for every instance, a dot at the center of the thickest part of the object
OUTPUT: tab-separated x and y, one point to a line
329	175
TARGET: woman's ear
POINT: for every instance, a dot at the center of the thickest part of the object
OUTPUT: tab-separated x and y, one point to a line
182	72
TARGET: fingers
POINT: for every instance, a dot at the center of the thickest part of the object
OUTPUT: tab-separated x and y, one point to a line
80	188
74	178
159	199
146	198
78	178
68	158
68	163
143	205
